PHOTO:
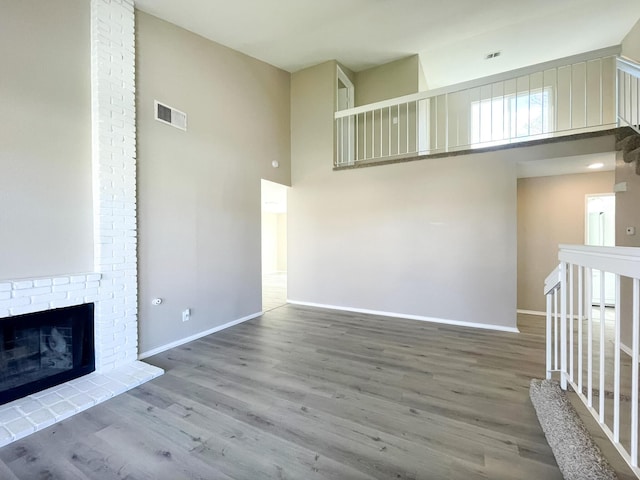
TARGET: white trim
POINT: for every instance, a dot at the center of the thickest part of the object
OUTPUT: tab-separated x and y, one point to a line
627	65
478	82
620	260
191	338
341	76
552	281
459	323
532	312
542	314
626	349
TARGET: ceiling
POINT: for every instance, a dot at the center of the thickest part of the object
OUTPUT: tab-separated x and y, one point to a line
451	37
545	167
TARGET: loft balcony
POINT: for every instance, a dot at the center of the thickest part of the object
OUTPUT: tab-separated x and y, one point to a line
588	94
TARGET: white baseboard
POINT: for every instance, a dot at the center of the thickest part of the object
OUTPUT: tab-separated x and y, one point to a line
541	314
532	312
626	349
191	338
483	326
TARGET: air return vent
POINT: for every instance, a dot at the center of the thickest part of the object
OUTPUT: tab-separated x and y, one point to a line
170	115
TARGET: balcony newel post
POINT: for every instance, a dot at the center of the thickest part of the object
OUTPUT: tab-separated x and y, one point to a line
563	325
549	334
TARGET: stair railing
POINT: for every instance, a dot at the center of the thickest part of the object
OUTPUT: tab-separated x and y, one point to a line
628	86
590	362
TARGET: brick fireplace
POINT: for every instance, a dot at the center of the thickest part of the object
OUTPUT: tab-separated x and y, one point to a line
112	285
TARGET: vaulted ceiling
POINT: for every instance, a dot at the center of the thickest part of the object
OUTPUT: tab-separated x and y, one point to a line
452	37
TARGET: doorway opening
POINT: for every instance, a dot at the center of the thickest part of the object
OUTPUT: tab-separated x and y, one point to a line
600	231
274	245
346	130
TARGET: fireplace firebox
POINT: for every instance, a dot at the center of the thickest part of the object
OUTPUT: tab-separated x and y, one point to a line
43	349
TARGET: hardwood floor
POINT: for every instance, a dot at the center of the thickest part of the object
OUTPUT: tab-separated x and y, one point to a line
274	290
303	393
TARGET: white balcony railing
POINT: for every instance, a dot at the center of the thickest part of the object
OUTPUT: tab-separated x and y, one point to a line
564	97
593	347
628	76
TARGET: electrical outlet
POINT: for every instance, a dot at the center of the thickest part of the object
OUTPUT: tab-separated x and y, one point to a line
186	315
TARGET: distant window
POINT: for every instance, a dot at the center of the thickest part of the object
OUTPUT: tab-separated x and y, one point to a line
497	120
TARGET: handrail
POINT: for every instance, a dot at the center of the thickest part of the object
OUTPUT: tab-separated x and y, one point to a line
479	82
553	281
581	359
619	260
627	65
563	97
392	102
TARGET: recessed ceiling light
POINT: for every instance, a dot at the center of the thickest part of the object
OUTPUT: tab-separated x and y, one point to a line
595	166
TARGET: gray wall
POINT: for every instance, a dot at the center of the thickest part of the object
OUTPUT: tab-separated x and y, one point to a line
199	190
432	238
45	139
631	43
551	211
391	80
627	202
627	216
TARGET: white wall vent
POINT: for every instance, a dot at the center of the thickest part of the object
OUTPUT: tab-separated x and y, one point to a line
170	116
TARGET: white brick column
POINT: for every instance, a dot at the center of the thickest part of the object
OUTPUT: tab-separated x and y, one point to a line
114	177
113	286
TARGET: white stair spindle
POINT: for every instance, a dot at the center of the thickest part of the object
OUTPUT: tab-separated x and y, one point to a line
570	321
634	375
602	349
580	321
589	296
548	337
555	330
563	325
616	366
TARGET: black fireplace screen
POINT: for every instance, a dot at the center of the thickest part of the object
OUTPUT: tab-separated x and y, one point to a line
43	349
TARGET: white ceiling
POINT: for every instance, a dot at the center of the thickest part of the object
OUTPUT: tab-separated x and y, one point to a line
545	167
451	37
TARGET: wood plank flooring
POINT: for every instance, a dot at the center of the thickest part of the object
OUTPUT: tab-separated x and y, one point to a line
303	393
274	290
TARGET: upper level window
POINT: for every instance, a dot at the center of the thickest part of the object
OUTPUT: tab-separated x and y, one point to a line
497	120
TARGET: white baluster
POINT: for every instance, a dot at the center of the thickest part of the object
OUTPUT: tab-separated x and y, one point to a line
602	349
548	338
580	321
634	373
563	325
589	296
570	322
555	330
616	367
